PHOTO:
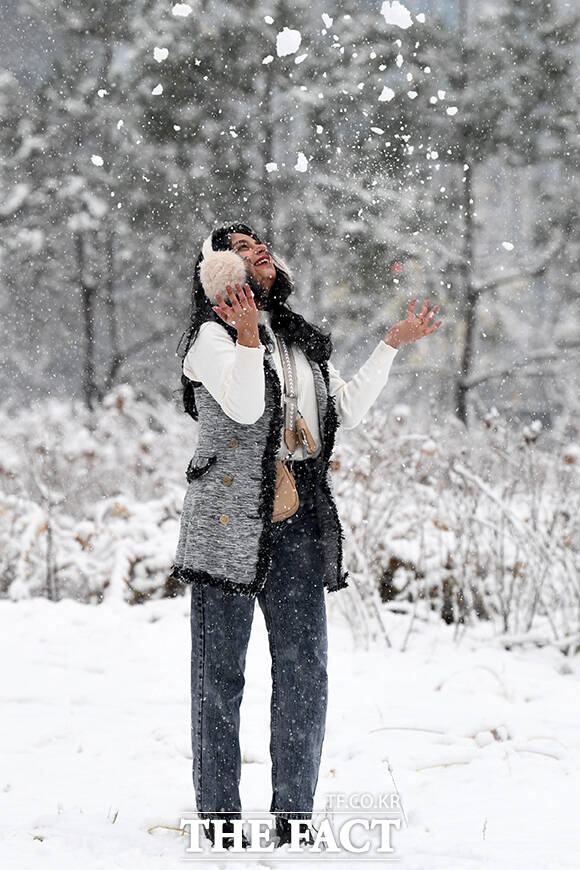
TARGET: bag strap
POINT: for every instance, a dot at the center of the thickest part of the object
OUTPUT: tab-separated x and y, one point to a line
295	427
290	393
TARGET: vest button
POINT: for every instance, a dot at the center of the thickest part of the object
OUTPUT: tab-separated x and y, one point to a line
234	442
227	479
224	519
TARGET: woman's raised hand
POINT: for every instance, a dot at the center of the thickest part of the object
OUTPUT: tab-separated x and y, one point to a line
242	314
414	326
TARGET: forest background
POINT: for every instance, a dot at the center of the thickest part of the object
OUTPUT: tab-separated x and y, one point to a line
385	152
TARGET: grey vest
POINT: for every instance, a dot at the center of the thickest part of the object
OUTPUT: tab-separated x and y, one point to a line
226	522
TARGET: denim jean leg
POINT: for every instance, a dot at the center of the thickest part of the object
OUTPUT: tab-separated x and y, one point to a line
220	631
294	608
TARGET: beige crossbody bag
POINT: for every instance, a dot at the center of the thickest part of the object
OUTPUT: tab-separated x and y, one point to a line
286	500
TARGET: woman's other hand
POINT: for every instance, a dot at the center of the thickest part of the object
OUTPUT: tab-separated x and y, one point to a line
414	326
242	314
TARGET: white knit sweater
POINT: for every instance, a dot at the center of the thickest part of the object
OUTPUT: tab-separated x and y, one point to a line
234	376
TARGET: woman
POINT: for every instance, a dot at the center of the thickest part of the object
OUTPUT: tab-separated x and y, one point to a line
229	548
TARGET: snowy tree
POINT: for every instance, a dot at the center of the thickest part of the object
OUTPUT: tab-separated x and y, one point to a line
373	155
508	83
97	268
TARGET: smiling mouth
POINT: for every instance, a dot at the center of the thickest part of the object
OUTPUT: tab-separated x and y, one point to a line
264	262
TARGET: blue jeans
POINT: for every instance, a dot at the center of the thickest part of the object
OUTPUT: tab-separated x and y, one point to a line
294	609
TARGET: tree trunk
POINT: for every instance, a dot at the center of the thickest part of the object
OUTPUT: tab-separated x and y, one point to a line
88	293
267	154
470	297
111	308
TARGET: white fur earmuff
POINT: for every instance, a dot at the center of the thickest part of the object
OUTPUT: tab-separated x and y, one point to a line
219	268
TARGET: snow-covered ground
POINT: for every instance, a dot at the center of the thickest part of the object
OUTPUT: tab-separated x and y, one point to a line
483	744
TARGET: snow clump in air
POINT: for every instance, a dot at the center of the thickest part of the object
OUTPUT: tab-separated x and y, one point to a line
301	163
157	90
507	245
181	10
397	14
386	94
97	160
288	42
160	54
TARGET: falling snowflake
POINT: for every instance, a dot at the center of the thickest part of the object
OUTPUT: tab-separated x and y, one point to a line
160	54
157	90
97	160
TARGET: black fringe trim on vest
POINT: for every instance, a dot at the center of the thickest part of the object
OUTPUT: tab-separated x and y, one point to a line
330	426
268	488
229	587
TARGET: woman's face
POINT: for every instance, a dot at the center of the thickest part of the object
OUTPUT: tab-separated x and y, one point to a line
258	259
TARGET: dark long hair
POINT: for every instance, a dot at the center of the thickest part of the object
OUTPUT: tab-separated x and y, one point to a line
287	323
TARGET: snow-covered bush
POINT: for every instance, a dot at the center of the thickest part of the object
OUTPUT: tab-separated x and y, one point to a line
439	523
90	502
479	523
